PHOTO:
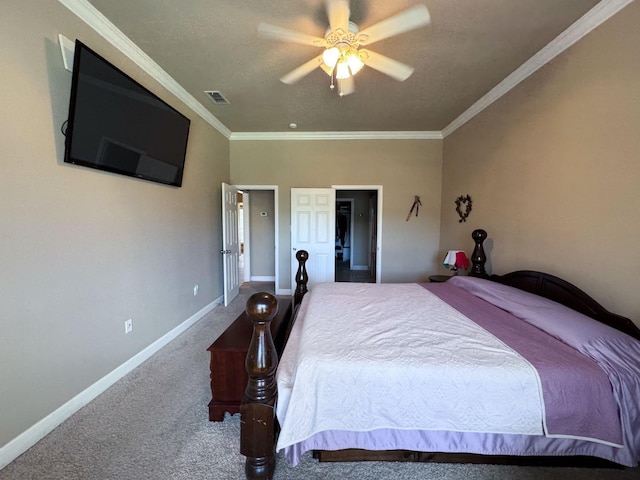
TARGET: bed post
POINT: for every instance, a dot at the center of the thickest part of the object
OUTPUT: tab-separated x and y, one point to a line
301	277
257	420
478	257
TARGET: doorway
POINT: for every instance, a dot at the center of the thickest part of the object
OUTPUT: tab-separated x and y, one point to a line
258	235
313	228
356	243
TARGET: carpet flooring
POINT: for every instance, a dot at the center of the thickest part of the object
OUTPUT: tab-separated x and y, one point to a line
153	424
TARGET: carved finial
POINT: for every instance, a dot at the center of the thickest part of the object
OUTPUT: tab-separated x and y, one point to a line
301	276
262	307
302	256
479	235
478	257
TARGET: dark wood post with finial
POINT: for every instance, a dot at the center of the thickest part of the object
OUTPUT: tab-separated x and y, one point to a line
478	258
301	277
257	421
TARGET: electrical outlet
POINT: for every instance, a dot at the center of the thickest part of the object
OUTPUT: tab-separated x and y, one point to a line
128	326
195	289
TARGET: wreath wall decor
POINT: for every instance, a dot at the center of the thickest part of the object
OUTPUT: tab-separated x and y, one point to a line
463	200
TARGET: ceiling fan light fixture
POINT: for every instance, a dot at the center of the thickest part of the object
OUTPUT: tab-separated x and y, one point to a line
355	62
331	56
327	69
342	70
345	62
342	58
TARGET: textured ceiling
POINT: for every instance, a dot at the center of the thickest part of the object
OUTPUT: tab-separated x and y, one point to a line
469	47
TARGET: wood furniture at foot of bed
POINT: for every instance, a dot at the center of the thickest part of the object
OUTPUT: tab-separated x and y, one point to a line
228	357
259	425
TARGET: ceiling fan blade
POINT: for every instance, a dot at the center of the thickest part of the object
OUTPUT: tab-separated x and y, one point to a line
410	19
346	86
280	33
305	69
386	65
338	13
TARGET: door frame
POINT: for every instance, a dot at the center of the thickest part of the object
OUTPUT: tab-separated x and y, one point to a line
247	231
377	188
246	226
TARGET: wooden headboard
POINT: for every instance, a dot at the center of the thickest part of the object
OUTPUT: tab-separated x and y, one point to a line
563	292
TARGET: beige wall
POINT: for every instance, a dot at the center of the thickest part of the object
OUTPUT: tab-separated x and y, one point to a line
553	169
81	251
403	167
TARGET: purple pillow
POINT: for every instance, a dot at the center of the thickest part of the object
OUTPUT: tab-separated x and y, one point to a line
559	321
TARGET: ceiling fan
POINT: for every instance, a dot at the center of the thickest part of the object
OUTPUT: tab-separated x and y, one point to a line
343	56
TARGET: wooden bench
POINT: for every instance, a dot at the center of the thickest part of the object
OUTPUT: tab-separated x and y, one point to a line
228	354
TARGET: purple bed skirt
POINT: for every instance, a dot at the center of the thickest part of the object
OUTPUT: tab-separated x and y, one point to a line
457	442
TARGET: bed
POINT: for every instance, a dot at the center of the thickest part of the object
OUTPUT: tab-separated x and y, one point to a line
502	383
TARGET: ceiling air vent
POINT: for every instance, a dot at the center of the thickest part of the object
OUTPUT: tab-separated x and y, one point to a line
216	97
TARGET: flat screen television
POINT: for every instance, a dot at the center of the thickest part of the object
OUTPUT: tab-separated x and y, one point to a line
116	124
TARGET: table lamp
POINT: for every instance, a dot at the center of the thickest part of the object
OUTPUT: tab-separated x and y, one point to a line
456	259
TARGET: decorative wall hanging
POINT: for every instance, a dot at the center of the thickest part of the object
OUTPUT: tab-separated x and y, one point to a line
463	200
416	206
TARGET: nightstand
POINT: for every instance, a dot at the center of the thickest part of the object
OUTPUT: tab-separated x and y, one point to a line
439	278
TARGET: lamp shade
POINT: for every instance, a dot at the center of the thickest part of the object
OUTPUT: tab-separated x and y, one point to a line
342	70
456	259
330	57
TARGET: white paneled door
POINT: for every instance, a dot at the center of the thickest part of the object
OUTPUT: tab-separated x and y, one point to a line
313	212
230	245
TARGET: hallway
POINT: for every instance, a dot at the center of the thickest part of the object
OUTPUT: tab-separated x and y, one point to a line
343	274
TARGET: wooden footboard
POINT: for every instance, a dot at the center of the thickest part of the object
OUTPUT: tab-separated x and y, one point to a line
258	425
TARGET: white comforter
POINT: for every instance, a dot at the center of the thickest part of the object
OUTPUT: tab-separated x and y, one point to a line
420	364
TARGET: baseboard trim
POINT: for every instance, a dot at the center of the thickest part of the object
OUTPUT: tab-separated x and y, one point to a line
256	278
31	436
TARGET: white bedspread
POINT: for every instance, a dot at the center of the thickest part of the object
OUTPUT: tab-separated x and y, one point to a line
417	364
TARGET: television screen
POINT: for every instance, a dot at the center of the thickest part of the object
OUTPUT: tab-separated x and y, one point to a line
117	125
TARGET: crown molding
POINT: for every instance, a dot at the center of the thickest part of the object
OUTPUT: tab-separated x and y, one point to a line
600	13
240	136
101	24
